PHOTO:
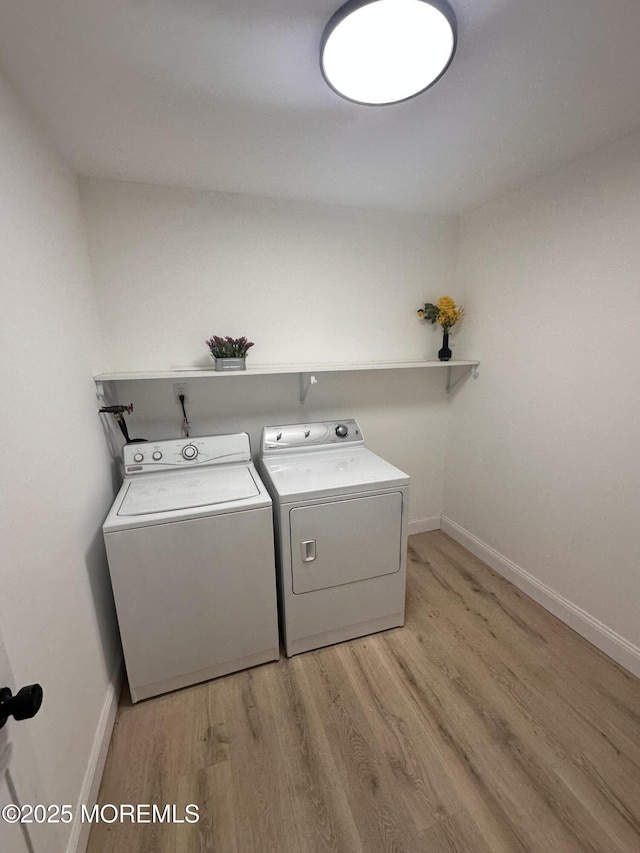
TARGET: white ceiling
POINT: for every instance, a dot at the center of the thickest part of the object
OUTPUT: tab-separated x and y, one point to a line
228	95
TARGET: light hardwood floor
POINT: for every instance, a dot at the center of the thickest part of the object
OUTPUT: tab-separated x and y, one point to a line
485	725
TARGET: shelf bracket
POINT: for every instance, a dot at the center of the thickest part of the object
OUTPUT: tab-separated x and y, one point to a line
306	380
451	385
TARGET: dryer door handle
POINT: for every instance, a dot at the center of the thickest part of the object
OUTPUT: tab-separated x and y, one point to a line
308	550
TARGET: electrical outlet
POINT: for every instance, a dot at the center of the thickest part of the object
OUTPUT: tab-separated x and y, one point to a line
178	389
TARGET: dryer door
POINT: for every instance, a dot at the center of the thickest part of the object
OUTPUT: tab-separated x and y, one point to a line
345	541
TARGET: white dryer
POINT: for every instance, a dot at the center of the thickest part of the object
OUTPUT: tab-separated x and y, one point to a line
189	541
340	516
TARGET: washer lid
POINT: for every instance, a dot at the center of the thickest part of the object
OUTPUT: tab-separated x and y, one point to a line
298	476
176	491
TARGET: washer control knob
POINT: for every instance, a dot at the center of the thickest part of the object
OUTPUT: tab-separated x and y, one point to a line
138	457
189	451
157	455
342	430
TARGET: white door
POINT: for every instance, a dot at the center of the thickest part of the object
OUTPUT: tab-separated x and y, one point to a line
343	541
19	782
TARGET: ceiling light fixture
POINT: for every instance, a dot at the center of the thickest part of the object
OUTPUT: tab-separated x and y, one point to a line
387	51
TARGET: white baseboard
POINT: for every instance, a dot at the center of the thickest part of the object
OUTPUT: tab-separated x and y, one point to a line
79	836
603	637
424	525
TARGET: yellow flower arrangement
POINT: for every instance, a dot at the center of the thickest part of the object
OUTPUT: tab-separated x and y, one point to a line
445	312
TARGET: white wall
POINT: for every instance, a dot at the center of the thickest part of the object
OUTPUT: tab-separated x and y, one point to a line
543	460
55	600
307	283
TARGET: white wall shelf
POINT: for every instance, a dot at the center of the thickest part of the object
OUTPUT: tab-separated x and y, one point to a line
307	373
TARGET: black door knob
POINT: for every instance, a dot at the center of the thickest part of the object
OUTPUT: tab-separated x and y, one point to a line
24	705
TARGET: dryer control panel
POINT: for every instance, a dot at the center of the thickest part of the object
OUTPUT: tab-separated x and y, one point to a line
143	457
314	436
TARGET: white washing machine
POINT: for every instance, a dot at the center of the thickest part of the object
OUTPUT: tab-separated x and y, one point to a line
189	541
341	533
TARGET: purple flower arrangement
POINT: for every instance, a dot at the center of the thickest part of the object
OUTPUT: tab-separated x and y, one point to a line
229	347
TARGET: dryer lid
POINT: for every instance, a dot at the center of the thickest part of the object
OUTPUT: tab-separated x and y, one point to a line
343	470
206	487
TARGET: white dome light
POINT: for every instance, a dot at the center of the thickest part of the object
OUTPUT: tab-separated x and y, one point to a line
385	51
